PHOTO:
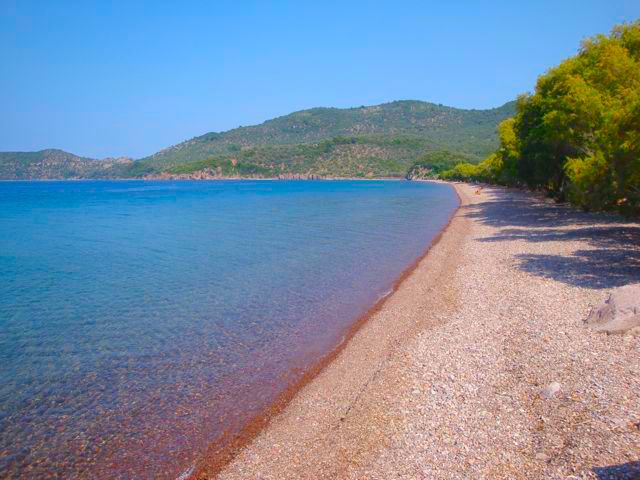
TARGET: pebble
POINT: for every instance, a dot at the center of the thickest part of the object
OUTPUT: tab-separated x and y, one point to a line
501	337
550	390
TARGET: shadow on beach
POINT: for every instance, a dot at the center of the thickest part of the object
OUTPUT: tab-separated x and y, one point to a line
626	471
612	258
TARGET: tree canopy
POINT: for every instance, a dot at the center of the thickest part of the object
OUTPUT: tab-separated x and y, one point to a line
578	135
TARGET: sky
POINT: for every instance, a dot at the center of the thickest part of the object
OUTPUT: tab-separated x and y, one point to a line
129	78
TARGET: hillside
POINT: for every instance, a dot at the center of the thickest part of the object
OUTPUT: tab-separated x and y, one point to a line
56	164
381	140
375	141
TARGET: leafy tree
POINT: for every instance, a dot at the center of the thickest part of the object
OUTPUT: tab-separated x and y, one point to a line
578	135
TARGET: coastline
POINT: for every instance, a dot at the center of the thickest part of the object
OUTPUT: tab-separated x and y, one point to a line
211	179
223	452
177	444
443	378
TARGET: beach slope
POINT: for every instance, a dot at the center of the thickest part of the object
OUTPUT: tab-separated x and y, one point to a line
479	365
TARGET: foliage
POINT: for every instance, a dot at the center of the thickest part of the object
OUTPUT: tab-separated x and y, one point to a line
432	164
53	164
410	123
377	141
222	167
578	135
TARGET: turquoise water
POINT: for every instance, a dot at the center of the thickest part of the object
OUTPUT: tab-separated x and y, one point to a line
141	320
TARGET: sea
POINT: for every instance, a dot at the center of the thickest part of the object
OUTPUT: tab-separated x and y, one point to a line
141	321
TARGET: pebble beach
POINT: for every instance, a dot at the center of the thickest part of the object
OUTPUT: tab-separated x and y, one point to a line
480	364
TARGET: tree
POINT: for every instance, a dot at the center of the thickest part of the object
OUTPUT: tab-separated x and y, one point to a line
578	135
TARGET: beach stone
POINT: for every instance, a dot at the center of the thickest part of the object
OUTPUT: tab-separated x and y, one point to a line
550	390
620	313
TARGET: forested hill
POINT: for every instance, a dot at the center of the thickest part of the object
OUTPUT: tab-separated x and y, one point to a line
374	141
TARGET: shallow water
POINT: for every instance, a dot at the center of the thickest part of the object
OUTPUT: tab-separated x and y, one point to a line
140	320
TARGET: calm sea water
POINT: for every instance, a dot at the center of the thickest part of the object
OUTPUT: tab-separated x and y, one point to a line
141	320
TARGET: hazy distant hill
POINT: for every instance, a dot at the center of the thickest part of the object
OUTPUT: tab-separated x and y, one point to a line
55	164
381	140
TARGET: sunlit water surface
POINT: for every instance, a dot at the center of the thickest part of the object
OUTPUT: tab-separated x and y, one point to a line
140	320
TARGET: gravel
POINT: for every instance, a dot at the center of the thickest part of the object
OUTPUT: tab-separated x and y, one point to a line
479	365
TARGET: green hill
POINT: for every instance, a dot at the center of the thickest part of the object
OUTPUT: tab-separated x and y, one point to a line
56	164
382	140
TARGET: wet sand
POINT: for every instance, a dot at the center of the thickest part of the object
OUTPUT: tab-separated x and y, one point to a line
444	379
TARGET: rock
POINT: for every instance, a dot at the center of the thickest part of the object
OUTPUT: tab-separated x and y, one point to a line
550	390
633	332
620	313
299	176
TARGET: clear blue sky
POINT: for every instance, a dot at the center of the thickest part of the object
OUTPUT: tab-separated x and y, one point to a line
129	78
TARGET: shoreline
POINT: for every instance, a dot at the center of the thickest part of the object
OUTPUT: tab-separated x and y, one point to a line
222	452
221	179
447	377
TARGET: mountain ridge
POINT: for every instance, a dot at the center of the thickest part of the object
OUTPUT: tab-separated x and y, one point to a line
367	141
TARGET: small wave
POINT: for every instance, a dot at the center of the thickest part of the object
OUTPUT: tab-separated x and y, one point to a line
385	294
187	473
